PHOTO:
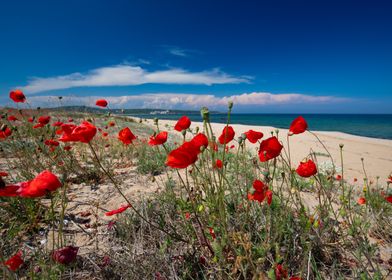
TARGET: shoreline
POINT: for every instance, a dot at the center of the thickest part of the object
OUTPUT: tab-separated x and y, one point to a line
376	152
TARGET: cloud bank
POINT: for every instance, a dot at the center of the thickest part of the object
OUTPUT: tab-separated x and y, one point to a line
188	101
127	75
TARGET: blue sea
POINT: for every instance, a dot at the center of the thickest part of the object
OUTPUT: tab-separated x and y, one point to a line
376	126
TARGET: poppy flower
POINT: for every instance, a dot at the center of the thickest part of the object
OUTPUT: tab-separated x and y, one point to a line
269	194
183	156
389	199
30	120
361	201
212	233
227	135
70	120
67	148
38	125
57	124
306	169
51	142
44	120
101	103
298	126
65	255
253	136
269	149
200	140
158	139
389	181
111	124
126	136
355	180
14	262
260	191
338	177
17	96
5	133
84	132
105	134
12	118
183	123
43	183
280	272
218	164
3	174
117	211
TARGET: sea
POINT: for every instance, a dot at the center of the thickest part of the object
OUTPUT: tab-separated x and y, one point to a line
375	126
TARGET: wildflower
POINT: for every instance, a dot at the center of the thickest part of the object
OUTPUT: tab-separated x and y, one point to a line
111	124
30	120
17	96
117	211
298	126
218	164
38	125
158	139
212	233
43	183
126	136
280	272
51	142
44	120
12	118
183	156
260	191
306	169
187	215
253	136
389	198
361	201
9	191
70	120
269	194
57	124
14	262
3	174
269	149
338	177
389	181
67	148
5	132
101	103
355	180
200	140
183	123
65	255
105	134
227	135
84	133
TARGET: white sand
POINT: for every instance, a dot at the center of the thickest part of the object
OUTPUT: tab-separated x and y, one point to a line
377	153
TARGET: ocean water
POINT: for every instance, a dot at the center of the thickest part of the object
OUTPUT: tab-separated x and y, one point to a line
376	126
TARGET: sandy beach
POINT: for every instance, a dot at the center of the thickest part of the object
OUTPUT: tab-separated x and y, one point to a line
377	153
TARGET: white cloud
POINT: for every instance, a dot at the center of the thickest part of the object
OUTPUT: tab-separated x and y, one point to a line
128	75
187	101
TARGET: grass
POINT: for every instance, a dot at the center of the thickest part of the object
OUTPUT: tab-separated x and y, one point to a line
200	223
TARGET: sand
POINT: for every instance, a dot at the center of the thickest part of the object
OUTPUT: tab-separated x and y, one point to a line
377	153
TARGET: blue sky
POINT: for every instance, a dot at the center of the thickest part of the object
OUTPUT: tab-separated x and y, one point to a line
268	56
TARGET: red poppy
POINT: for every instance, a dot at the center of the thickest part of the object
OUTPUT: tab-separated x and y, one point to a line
3	174
14	262
361	201
65	255
338	177
389	181
43	183
306	168
187	215
183	156
57	124
298	126
67	148
269	194
389	198
30	120
227	135
183	123
280	272
5	133
126	136
111	124
51	142
355	180
84	132
158	139
260	191
117	211
70	120
218	164
101	103
200	140
105	134
12	118
269	149
44	120
212	233
17	96
38	125
253	136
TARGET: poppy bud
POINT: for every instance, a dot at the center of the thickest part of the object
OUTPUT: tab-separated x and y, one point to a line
183	132
89	120
230	104
239	140
205	114
156	121
197	129
38	108
60	97
341	145
141	120
3	127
